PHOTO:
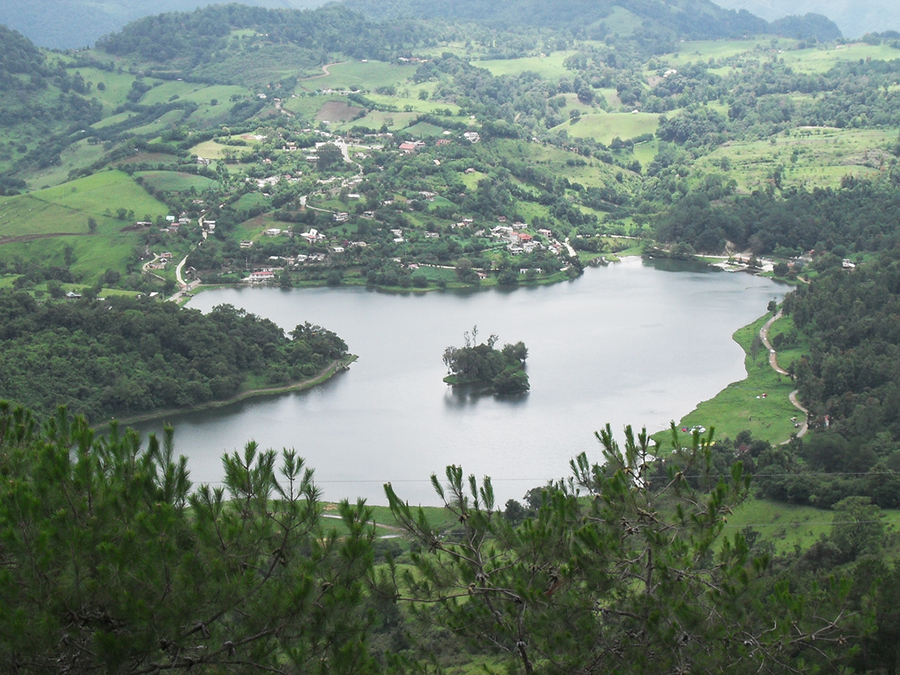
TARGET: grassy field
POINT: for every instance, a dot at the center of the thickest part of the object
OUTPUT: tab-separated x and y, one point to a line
40	225
337	112
822	59
176	181
367	75
550	67
740	405
214	150
192	91
703	50
76	156
410	98
787	526
604	127
169	119
116	85
66	208
813	157
113	119
393	121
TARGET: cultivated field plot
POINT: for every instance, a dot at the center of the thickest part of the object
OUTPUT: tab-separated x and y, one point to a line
367	75
811	157
550	67
214	150
337	112
176	181
393	121
307	107
604	127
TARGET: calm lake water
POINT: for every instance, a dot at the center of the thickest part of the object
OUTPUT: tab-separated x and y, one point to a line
626	344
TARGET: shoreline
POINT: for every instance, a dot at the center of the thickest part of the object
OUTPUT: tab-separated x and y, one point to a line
323	375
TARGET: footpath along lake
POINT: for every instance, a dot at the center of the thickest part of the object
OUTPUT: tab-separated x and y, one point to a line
631	343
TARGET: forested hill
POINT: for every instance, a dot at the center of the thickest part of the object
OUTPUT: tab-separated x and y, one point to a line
200	37
18	56
70	24
124	356
689	19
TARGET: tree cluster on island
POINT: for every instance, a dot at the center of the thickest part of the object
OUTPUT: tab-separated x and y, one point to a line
483	363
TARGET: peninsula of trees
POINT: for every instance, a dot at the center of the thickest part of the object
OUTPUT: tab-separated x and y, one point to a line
125	356
503	369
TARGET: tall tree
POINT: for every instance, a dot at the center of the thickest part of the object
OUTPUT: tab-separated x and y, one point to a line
624	569
110	563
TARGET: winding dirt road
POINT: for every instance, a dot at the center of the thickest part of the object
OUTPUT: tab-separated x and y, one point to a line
773	361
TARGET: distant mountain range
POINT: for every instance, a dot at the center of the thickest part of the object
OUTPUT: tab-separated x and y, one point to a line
854	17
68	24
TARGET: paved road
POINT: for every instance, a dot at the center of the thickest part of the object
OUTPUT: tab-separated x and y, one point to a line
773	361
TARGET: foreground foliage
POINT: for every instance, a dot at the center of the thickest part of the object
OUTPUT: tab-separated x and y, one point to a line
623	568
110	563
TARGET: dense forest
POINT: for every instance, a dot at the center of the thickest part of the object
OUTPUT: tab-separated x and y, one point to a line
124	356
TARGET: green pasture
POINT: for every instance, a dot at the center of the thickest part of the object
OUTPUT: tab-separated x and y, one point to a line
117	85
811	157
703	50
76	156
424	129
148	158
338	112
407	100
252	230
740	405
392	120
251	200
367	75
821	59
39	226
192	91
176	181
550	67
789	525
611	96
214	150
622	22
308	106
169	119
66	208
470	180
646	152
113	119
109	248
603	127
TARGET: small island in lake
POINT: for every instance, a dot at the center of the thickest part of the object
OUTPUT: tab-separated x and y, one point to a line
503	369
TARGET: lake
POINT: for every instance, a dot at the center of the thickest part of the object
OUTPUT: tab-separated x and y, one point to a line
632	343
